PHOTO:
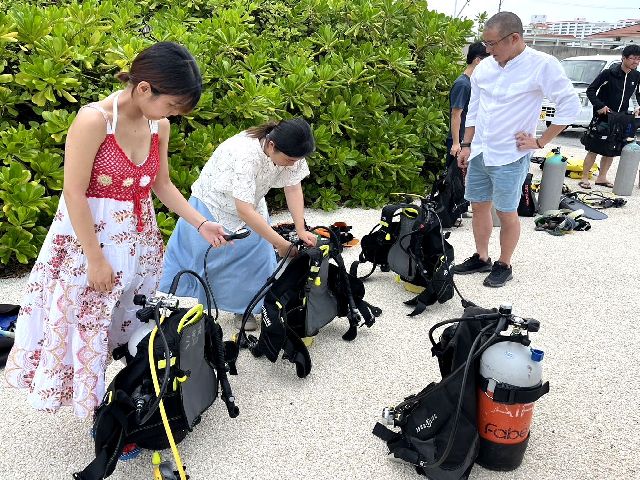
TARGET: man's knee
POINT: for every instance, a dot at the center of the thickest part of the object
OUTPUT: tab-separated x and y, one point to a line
508	217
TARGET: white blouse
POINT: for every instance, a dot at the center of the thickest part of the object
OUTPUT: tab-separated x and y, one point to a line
240	169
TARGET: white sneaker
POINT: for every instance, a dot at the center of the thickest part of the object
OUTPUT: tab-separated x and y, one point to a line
251	324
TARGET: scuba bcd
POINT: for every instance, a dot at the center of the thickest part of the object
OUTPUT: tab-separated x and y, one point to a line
410	242
304	296
137	408
438	426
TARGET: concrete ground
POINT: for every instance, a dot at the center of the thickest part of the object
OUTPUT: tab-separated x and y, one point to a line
582	287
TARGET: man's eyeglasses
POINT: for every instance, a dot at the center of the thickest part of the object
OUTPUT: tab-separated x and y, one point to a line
493	44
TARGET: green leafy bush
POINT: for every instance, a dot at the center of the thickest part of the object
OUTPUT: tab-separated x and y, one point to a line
372	76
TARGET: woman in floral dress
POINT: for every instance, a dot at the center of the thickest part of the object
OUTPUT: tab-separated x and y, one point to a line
104	246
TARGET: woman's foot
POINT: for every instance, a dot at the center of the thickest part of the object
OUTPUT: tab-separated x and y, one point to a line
584	184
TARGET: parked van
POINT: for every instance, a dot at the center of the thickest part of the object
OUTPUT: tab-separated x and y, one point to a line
582	71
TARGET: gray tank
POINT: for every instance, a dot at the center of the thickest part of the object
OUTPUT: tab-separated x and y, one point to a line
627	169
552	181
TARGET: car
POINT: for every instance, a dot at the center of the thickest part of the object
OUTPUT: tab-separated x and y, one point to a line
582	71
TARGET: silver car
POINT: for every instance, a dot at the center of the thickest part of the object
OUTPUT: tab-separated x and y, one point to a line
582	71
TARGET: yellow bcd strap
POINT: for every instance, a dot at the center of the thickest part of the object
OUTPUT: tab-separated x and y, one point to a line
192	317
163	413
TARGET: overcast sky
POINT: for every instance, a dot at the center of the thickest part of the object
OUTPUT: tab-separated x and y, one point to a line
591	10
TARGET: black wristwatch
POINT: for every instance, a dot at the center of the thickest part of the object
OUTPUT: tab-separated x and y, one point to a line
465	145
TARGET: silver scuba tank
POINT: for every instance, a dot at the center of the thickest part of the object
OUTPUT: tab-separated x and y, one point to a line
552	181
627	169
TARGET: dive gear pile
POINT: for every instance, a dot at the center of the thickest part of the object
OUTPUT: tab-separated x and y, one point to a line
560	222
439	425
310	292
137	408
409	241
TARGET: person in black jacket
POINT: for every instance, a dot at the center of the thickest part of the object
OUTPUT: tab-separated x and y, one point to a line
610	92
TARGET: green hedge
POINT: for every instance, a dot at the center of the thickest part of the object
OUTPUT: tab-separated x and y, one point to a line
372	76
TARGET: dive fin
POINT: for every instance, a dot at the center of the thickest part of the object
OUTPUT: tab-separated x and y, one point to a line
588	212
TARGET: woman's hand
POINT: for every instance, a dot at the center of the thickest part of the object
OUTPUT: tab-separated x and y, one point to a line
307	237
213	233
283	249
100	275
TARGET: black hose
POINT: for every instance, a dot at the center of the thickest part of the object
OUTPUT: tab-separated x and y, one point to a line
242	336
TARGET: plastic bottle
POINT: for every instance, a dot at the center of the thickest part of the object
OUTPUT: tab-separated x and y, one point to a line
627	169
552	182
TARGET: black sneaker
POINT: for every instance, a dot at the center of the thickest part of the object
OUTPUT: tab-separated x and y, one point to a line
472	264
500	274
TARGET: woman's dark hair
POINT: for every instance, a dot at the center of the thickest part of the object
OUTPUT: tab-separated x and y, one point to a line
292	137
170	70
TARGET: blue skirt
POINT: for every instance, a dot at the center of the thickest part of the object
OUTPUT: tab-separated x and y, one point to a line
236	272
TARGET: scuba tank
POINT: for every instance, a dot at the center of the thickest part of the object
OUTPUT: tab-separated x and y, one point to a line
552	182
627	168
510	381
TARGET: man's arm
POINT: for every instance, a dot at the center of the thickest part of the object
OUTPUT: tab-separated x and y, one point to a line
592	89
456	120
558	88
470	124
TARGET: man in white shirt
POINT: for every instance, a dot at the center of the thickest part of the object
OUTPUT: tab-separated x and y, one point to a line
506	97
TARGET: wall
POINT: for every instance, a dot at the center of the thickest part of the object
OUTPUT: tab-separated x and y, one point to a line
561	52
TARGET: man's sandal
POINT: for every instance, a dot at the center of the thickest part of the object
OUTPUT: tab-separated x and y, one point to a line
584	184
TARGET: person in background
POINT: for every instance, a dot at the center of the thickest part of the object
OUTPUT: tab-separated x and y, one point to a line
459	96
609	92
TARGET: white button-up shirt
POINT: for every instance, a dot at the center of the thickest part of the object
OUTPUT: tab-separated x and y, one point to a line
507	100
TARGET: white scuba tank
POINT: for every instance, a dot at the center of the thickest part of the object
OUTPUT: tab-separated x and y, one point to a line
504	426
138	334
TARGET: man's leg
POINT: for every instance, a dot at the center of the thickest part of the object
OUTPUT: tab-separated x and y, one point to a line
507	180
482	224
605	164
509	235
589	160
477	190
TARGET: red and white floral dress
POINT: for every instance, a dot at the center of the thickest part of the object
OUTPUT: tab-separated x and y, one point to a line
65	330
